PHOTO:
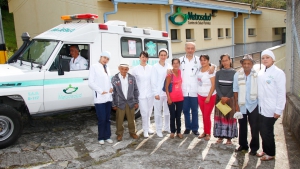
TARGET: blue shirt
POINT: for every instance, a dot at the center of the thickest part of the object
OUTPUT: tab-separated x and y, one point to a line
250	104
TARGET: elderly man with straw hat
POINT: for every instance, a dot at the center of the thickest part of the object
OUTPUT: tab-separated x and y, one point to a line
246	98
125	100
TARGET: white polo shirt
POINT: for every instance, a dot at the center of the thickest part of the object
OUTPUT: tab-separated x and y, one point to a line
189	70
79	63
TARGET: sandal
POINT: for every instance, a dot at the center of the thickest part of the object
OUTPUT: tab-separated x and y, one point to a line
172	135
202	135
260	154
220	140
179	135
267	158
228	142
207	137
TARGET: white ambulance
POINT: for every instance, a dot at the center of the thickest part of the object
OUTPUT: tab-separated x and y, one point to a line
39	82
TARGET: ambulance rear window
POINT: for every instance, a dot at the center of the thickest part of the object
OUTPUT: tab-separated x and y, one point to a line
131	47
152	46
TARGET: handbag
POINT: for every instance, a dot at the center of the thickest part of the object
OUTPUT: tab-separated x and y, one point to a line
170	85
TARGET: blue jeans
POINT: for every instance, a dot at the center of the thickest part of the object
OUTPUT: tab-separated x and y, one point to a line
103	114
191	103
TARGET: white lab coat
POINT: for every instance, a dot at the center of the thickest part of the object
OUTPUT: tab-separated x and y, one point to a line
158	77
80	63
271	91
143	79
100	82
189	70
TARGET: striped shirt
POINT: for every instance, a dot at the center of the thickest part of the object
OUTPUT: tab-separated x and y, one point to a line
224	82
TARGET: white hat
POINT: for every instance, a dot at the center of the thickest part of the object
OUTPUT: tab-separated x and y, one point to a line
106	54
124	63
269	53
163	49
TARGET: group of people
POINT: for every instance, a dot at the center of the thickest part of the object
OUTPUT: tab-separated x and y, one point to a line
192	82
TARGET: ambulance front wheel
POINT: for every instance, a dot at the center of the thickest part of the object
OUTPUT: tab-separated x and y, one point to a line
10	125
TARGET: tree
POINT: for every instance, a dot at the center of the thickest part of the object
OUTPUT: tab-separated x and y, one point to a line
279	4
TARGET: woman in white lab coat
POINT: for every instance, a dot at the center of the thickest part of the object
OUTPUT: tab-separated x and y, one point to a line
272	98
158	76
142	74
99	82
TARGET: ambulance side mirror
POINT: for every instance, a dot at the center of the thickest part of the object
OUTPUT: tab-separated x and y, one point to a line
60	68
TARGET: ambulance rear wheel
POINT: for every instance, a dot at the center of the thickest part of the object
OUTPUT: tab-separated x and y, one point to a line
10	125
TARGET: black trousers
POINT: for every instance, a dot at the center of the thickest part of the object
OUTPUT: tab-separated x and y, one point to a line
267	134
253	119
175	116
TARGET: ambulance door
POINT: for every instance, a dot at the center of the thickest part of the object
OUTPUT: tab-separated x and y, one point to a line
71	90
111	43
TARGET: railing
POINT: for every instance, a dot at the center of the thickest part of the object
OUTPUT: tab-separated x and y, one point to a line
236	64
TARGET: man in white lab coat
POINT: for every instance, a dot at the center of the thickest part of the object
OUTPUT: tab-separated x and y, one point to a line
77	62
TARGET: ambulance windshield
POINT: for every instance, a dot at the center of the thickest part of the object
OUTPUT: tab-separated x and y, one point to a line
39	51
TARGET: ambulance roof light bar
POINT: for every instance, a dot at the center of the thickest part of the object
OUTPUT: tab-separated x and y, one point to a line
87	16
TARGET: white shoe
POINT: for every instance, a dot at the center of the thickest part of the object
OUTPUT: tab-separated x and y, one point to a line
167	130
150	131
159	134
146	134
101	142
109	141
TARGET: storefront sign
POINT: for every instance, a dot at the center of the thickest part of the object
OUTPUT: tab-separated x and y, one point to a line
192	17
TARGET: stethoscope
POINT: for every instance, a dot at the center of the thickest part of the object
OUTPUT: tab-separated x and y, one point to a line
195	62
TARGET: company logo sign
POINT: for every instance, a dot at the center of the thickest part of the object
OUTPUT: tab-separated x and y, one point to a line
62	30
70	89
189	16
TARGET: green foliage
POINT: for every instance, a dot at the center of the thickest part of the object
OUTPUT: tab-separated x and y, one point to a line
279	4
4	4
9	31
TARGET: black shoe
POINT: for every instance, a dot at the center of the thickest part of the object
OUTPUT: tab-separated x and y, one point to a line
253	153
196	133
187	131
241	149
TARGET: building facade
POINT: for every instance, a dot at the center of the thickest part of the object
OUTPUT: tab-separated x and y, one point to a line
217	27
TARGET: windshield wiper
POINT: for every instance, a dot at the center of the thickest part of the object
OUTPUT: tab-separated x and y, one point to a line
31	64
21	61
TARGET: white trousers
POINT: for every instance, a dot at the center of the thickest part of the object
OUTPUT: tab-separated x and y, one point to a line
159	106
146	107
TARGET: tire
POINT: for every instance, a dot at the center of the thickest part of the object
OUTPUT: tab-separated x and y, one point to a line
10	125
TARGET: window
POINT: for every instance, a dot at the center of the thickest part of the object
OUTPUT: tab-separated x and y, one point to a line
207	34
39	51
220	33
251	32
228	33
131	47
152	46
276	31
189	35
174	34
66	58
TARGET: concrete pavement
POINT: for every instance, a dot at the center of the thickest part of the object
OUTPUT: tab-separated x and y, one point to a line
70	141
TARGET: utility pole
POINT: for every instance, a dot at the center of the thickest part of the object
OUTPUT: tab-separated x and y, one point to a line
3	53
